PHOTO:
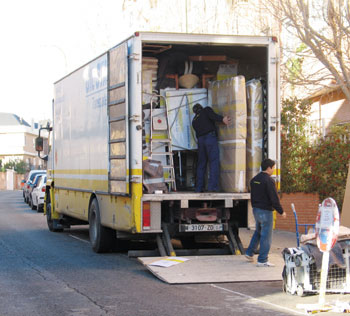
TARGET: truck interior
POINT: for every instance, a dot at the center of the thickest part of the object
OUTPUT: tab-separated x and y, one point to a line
250	62
169	63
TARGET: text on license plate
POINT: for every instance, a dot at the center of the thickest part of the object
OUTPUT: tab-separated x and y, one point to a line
203	227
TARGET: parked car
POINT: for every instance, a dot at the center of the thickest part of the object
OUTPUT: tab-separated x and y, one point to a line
38	194
29	181
31	188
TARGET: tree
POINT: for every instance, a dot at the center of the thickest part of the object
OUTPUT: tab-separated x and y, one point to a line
20	166
329	163
323	26
295	146
312	164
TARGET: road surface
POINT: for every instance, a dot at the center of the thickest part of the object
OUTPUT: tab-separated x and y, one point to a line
45	273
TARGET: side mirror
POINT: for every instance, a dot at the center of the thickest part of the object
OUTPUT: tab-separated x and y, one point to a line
39	144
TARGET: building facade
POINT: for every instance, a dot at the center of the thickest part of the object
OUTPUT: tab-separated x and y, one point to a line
329	107
17	141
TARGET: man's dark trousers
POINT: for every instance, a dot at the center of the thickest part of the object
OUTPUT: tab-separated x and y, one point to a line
208	150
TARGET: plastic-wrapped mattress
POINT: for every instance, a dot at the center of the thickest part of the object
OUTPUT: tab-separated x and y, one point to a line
228	97
254	127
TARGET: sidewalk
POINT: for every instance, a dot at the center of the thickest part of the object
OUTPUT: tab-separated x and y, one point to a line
280	239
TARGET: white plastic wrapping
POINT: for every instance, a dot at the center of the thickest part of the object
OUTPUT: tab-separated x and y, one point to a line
180	103
232	165
149	78
228	97
254	127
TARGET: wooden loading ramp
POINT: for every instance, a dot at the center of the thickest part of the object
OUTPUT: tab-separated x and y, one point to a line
215	269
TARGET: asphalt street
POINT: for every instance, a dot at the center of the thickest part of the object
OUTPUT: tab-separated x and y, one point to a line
45	273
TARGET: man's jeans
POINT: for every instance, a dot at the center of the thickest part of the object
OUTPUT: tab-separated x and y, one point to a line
262	234
208	149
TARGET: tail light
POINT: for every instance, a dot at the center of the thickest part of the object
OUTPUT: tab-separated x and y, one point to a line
146	216
43	189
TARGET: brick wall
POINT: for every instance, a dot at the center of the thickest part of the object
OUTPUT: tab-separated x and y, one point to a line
17	178
2	180
17	181
306	206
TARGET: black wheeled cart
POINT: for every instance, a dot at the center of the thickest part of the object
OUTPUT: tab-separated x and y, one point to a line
302	270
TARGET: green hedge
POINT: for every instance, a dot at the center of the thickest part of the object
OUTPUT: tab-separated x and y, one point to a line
310	162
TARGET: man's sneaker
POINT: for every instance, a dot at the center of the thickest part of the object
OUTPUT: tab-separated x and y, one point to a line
249	258
265	264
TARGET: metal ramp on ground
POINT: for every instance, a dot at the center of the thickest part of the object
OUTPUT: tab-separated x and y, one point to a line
215	269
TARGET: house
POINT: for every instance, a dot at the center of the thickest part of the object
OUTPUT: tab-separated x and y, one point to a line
329	107
17	139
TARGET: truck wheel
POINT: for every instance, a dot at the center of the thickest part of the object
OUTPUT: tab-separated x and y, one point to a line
49	220
101	238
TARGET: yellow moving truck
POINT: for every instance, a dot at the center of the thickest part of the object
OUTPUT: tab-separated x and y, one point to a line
100	142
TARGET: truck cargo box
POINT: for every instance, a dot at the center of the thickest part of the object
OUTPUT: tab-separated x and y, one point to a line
134	103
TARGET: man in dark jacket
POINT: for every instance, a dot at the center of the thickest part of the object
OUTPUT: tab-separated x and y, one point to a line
208	149
264	199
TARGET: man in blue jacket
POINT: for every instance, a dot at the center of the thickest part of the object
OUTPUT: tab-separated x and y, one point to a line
208	149
264	199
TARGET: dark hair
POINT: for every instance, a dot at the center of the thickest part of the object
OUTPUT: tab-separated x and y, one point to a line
197	108
267	163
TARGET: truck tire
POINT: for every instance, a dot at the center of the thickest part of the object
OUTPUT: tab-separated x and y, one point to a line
101	238
49	220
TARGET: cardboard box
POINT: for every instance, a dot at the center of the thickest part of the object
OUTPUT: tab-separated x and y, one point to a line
227	71
233	165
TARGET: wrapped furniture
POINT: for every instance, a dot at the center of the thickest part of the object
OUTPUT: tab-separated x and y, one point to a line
149	78
254	127
180	115
228	97
153	179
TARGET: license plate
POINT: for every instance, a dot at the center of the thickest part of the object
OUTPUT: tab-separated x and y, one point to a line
203	227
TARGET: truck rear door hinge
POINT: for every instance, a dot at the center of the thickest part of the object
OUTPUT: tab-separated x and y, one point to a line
136	179
134	56
275	60
274	119
134	118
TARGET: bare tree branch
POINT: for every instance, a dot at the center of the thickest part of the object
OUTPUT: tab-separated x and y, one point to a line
324	27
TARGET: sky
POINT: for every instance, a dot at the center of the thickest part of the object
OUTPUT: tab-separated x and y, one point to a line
43	40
